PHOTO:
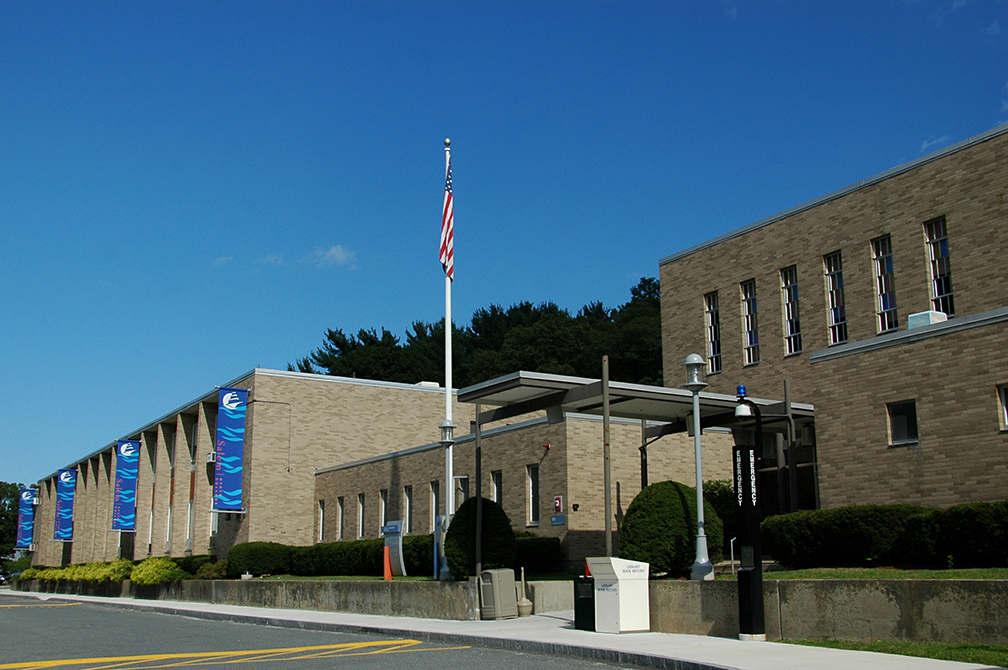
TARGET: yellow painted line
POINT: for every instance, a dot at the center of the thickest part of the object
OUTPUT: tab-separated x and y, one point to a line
42	605
229	657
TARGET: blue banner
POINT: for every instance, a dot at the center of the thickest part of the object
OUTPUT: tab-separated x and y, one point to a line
66	487
230	449
124	496
26	519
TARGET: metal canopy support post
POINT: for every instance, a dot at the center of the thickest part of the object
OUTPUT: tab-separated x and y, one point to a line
479	494
643	454
606	456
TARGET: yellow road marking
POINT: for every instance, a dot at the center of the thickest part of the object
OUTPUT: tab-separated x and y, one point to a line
42	605
190	659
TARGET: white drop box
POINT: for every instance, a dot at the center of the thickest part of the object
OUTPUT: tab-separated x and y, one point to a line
622	603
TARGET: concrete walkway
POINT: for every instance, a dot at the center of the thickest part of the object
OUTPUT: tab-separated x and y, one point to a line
551	633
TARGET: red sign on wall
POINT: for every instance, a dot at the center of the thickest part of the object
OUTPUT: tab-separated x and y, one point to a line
557	504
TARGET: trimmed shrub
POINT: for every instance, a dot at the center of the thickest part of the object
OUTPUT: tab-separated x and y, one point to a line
258	558
215	570
154	571
537	554
192	564
418	554
720	493
864	535
498	540
659	528
29	574
972	535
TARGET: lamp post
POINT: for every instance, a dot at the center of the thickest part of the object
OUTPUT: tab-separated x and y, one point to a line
702	568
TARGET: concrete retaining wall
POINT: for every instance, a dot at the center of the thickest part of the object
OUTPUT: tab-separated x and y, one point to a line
926	610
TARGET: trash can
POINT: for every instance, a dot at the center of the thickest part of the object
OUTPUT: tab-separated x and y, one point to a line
621	595
584	603
500	600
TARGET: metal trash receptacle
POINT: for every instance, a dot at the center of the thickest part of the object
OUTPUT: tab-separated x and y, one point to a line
584	603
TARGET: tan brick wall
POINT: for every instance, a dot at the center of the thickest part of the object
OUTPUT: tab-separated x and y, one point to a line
572	468
968	187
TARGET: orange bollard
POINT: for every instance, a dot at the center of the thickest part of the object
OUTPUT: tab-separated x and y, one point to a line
388	565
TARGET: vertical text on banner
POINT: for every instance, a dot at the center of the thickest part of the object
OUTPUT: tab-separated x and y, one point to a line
26	519
230	448
124	497
66	487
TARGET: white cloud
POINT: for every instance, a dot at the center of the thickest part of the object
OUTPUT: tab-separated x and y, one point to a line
927	144
994	29
272	259
222	261
334	255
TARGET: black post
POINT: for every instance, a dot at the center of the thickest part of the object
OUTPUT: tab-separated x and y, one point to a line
750	575
479	495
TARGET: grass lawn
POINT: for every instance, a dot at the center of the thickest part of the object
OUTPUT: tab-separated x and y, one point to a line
881	573
982	654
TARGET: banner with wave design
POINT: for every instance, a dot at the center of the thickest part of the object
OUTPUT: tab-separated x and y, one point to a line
66	487
124	497
230	448
26	519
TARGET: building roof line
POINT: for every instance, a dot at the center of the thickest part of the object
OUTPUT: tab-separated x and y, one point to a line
864	183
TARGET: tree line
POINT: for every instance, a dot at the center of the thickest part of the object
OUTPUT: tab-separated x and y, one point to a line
498	341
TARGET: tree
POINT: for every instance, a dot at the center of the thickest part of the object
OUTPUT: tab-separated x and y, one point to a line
10	495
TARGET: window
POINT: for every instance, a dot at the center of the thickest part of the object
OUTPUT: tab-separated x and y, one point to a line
461	490
941	271
792	326
435	498
407	509
885	306
339	518
321	520
360	515
533	494
902	422
1003	402
384	511
837	315
498	486
713	333
750	327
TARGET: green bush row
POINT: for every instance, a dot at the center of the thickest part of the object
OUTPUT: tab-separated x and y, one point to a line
360	557
971	535
147	572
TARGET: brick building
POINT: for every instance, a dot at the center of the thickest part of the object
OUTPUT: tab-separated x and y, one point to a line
910	407
294	424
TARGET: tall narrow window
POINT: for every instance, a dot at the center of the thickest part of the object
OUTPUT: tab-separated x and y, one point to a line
321	520
837	316
407	509
533	495
461	490
435	500
713	333
792	325
339	518
902	422
941	271
1003	409
384	511
885	302
498	485
360	515
750	327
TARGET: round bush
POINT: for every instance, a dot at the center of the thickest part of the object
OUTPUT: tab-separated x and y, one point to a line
155	571
660	528
498	541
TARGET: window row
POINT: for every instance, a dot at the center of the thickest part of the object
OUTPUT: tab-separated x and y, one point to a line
887	319
902	418
461	495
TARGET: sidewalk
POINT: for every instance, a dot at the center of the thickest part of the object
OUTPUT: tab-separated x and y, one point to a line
551	633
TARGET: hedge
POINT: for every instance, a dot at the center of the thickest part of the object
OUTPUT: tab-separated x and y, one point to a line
962	536
258	558
497	541
537	555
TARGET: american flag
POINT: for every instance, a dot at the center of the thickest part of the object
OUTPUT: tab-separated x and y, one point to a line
448	227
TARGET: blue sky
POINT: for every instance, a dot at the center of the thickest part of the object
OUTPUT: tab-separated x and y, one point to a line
189	190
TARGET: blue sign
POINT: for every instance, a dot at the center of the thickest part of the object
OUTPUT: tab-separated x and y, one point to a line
26	519
230	448
124	497
66	487
558	520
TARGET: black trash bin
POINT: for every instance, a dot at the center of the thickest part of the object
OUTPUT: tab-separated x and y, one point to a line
584	603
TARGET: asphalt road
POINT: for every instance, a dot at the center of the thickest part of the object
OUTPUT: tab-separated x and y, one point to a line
63	634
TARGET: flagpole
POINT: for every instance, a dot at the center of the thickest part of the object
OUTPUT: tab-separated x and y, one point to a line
447	426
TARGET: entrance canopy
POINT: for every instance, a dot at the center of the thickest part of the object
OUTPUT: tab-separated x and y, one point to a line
523	392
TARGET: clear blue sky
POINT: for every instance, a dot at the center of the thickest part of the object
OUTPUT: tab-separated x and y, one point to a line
189	190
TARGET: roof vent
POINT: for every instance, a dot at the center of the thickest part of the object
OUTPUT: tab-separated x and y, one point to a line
433	385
